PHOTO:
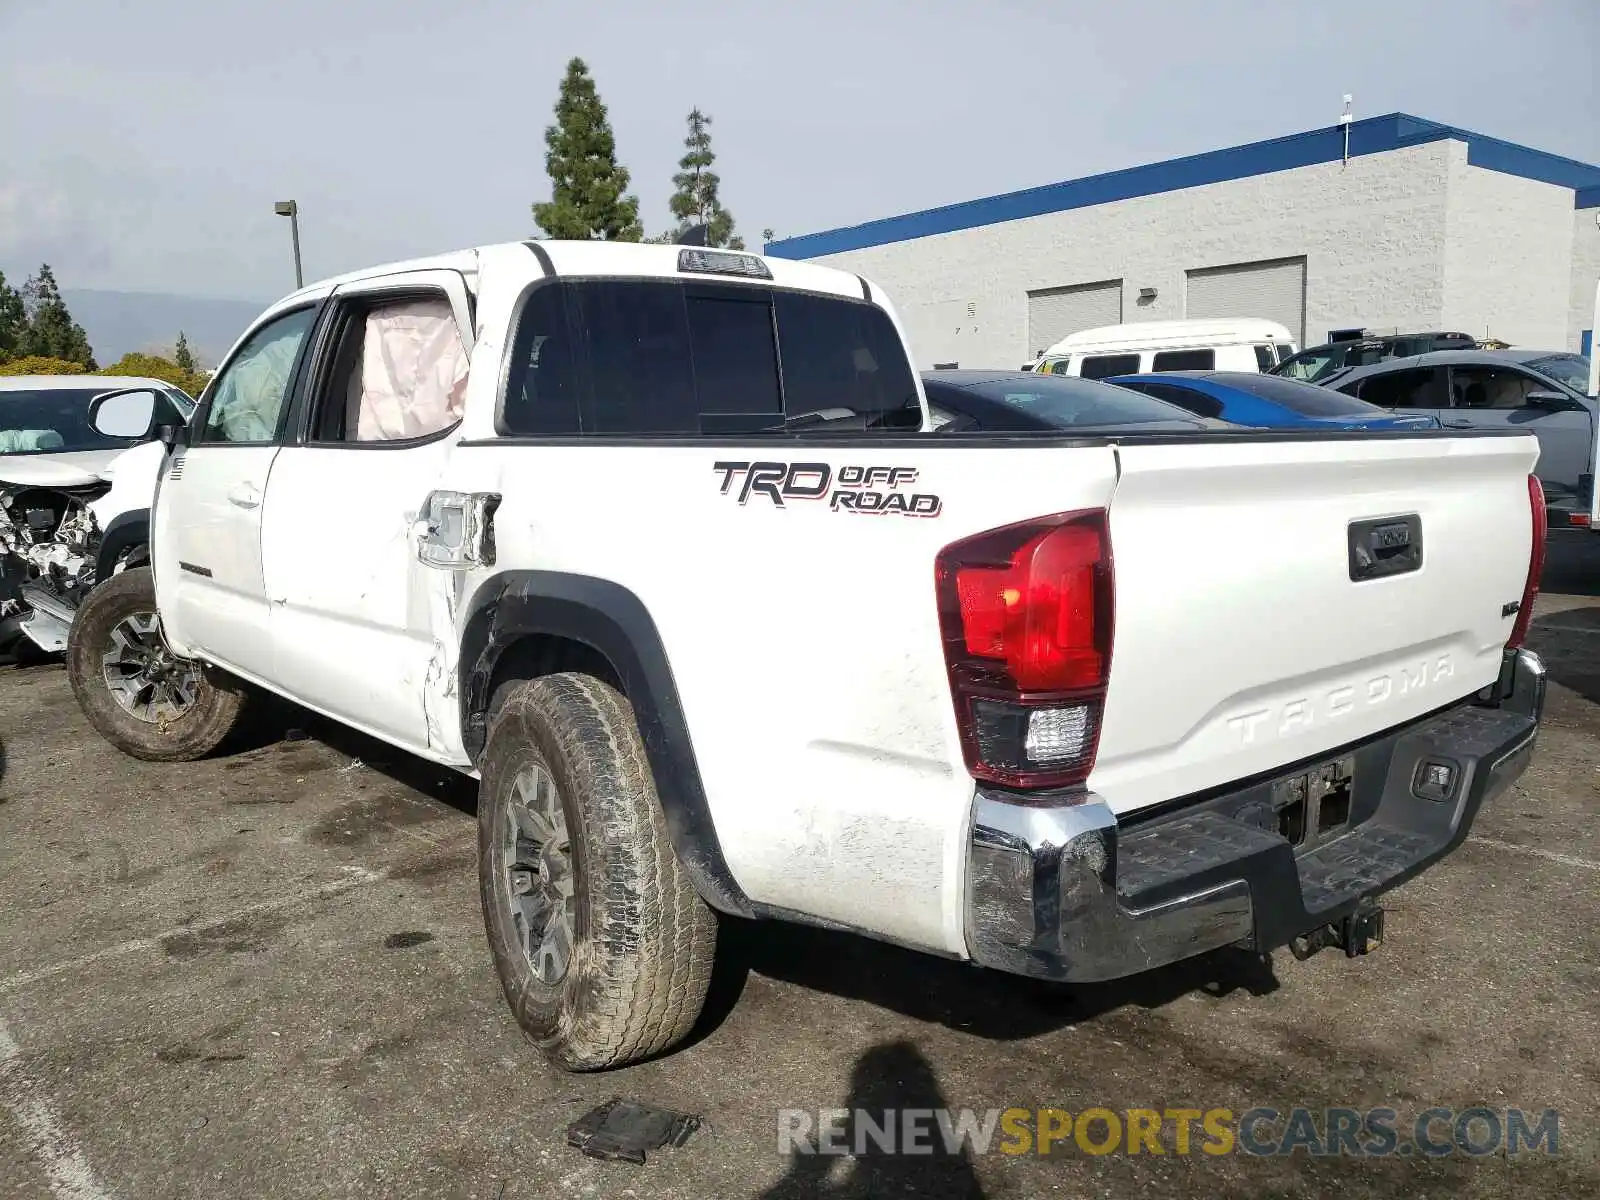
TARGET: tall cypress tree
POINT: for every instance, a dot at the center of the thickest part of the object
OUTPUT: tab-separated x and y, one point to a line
695	202
52	333
13	319
588	199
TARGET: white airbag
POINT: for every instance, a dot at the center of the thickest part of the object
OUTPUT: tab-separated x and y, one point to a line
412	377
18	441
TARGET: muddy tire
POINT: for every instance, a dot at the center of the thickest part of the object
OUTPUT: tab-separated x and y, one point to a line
188	709
570	831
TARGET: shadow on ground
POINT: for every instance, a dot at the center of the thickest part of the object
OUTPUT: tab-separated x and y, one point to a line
893	1076
1572	564
272	720
958	995
1569	643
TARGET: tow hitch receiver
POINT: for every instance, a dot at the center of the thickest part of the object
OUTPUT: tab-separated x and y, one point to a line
1359	933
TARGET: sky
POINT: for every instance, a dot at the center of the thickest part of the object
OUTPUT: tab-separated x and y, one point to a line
142	145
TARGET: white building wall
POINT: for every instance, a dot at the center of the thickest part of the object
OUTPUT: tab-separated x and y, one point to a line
1585	274
1508	256
1372	233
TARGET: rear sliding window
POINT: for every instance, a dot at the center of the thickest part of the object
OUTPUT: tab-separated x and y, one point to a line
675	358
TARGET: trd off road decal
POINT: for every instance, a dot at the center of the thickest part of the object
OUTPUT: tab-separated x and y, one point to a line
874	490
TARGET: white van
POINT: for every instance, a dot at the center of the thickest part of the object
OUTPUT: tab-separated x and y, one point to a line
1233	345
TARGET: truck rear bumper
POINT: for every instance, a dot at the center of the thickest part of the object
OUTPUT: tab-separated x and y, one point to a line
1062	890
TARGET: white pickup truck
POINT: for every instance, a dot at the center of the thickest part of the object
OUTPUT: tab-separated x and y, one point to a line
656	543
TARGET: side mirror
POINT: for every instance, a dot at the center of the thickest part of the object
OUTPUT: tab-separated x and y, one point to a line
1554	401
123	415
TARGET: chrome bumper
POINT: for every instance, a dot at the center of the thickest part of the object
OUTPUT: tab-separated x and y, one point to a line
1058	889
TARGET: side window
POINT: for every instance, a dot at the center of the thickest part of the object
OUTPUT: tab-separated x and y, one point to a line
1185	360
1264	360
399	372
1060	366
248	400
1195	402
842	358
1489	387
1402	389
1313	365
172	408
1103	366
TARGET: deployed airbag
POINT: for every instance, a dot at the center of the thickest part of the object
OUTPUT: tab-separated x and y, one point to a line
412	377
20	441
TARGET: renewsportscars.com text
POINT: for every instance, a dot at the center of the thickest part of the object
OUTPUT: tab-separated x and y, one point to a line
1264	1132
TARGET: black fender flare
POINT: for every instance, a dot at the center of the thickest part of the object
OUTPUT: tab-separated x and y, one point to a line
612	621
125	532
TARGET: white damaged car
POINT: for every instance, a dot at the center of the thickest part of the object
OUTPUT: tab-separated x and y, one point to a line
78	460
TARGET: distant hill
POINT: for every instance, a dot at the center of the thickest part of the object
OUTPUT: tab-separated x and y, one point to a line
118	322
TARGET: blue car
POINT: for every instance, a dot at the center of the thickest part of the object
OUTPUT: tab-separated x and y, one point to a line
1266	401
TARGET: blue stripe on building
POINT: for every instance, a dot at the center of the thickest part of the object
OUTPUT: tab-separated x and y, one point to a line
1375	135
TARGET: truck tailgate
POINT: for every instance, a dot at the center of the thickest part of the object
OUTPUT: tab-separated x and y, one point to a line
1242	643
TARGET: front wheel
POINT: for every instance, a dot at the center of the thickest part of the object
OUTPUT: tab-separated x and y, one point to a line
602	945
142	698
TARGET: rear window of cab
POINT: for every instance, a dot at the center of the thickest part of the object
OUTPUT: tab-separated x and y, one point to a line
690	358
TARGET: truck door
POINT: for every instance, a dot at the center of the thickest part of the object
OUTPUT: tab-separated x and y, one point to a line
354	611
206	527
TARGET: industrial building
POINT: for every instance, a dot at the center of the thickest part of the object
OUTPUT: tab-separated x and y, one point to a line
1393	223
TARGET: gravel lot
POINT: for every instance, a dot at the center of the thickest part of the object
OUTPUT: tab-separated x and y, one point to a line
265	975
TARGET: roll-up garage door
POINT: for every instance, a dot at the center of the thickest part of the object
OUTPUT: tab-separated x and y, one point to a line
1273	291
1055	312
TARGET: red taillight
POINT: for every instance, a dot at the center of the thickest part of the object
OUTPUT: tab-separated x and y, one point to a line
1530	590
1025	612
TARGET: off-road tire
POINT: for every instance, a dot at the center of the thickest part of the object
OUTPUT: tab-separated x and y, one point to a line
643	940
218	706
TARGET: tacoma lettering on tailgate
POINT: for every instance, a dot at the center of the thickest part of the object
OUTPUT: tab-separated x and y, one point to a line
1319	708
875	490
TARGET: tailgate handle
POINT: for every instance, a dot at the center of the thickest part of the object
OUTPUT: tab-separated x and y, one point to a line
1385	546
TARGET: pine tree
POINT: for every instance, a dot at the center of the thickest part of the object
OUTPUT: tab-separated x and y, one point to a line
588	199
695	202
13	319
183	356
51	331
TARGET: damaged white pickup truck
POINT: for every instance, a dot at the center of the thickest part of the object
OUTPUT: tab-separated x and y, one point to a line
657	543
74	498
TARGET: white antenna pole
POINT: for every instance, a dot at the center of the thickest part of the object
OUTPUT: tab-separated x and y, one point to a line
1345	119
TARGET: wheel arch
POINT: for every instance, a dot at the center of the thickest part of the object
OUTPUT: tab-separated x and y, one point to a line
127	533
520	624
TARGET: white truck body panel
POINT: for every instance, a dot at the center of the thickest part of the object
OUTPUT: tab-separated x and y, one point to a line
825	732
1242	645
1594	391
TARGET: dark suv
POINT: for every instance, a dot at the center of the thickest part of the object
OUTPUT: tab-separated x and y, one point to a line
1319	362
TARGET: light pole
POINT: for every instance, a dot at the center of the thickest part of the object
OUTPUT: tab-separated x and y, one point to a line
291	209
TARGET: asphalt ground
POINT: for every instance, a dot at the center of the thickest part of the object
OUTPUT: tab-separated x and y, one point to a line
266	975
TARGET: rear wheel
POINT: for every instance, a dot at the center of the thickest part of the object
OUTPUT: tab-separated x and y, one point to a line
139	695
602	946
